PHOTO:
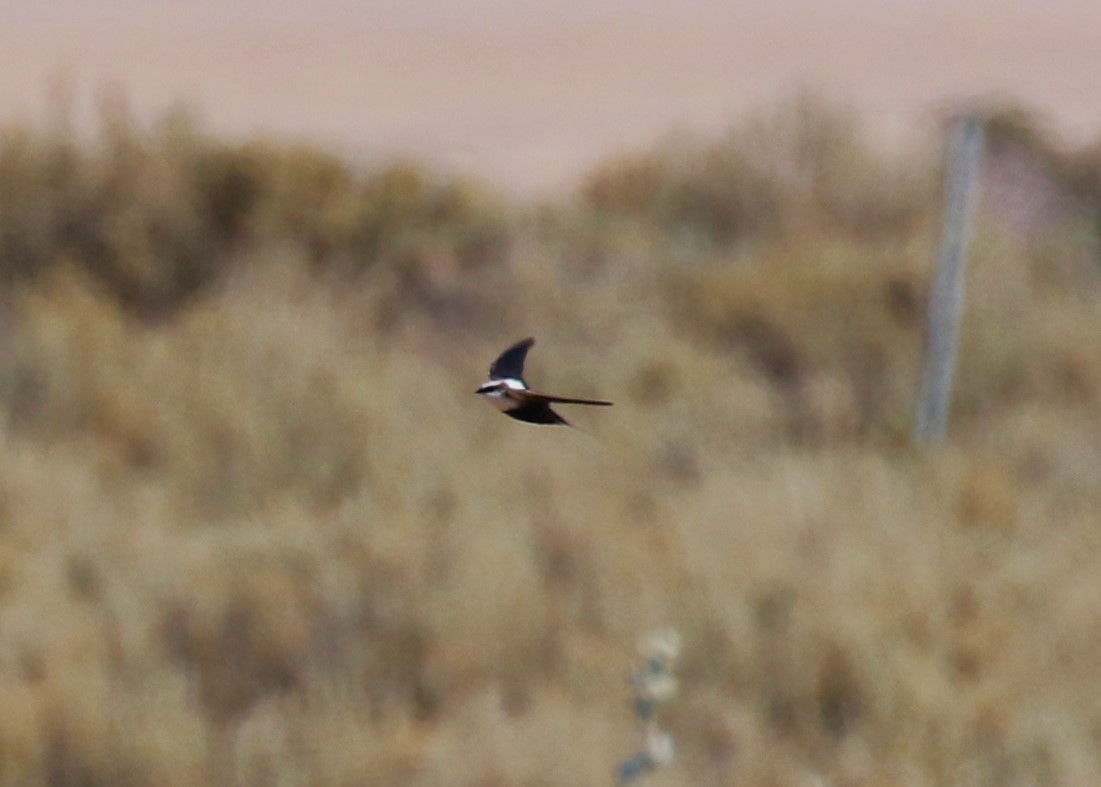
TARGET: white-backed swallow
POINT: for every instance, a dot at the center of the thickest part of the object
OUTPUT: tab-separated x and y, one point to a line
507	391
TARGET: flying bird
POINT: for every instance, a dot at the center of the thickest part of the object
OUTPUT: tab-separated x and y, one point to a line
507	391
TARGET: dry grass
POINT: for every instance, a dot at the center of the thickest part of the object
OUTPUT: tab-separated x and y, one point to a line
255	530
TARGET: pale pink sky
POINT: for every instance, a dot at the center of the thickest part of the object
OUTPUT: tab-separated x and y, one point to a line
528	93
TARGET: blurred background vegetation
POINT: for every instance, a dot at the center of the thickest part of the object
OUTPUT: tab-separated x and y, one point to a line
255	529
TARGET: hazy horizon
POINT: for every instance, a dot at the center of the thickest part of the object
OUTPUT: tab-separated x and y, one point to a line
529	97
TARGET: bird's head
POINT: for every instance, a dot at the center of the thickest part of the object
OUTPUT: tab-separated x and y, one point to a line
492	388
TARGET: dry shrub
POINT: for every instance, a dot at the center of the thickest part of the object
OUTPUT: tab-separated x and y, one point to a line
272	537
805	167
834	329
158	215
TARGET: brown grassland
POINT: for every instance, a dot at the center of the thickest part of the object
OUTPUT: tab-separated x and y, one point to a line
255	529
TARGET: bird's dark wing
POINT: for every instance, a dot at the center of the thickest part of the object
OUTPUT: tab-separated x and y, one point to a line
535	396
537	413
510	363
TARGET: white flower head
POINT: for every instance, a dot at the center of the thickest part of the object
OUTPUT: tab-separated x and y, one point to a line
663	645
659	746
655	686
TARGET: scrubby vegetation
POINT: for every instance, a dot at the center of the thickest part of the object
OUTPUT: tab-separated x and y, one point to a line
255	529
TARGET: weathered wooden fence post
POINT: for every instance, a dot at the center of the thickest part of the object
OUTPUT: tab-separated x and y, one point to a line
946	303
